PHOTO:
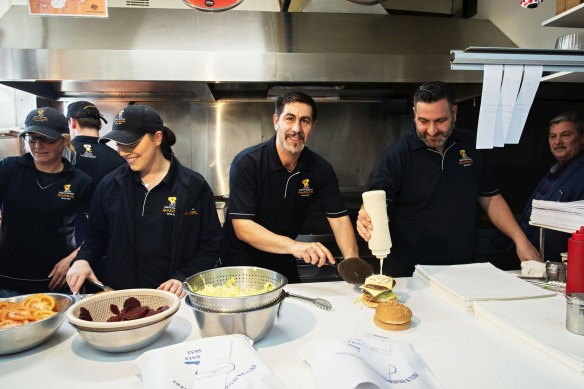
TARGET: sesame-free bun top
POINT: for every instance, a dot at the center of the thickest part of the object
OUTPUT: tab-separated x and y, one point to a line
393	312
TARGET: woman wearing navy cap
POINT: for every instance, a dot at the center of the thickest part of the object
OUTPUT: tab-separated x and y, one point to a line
41	194
152	222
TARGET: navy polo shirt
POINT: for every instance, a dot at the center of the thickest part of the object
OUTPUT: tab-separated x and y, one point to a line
94	158
432	199
262	190
38	216
97	160
153	223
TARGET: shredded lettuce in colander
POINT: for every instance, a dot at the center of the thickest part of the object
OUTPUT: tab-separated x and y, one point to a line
232	289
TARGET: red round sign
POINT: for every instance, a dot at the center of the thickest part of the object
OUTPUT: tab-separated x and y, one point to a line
212	5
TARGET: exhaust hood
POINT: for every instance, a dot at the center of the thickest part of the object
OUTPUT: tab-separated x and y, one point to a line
171	54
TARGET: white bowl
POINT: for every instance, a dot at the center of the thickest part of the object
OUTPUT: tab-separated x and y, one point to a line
123	336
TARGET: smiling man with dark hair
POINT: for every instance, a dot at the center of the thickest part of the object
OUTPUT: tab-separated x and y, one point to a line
271	188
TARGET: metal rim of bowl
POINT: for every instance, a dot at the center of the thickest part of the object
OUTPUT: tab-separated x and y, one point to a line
22	297
279	300
122	325
234	304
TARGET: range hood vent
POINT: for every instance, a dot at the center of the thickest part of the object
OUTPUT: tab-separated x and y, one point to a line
163	54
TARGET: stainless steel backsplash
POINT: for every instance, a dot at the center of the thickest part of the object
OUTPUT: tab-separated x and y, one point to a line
351	136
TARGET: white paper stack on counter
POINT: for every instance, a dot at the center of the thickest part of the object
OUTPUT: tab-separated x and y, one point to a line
540	322
568	216
468	283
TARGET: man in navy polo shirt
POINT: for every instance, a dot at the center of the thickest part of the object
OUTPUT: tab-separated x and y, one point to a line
433	177
271	187
92	157
563	182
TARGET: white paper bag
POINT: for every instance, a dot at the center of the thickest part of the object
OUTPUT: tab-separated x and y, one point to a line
371	362
212	363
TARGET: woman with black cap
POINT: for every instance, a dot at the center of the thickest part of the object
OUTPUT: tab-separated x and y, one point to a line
41	194
152	222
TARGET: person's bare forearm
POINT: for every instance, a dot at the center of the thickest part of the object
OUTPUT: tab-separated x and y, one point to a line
500	214
344	236
261	238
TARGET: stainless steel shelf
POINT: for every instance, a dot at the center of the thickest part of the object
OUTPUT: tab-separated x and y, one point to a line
474	58
571	77
568	231
574	17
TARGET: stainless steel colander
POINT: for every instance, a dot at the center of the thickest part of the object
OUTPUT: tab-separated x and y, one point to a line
246	277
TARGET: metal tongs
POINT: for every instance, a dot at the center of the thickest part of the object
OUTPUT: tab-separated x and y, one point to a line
320	303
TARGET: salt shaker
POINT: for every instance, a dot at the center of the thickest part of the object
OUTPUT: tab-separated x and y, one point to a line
575	313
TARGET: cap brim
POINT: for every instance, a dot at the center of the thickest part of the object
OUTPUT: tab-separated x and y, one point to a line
121	137
54	134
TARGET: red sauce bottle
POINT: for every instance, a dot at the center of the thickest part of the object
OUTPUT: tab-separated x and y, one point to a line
575	270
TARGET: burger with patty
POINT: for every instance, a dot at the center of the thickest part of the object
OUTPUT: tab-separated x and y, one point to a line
378	288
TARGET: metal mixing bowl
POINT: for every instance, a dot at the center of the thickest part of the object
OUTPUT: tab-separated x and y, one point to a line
245	277
123	336
254	323
24	337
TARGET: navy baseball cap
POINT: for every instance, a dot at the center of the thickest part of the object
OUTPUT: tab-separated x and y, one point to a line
84	109
46	121
132	123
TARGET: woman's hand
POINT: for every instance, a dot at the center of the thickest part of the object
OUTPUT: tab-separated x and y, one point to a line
78	273
173	286
59	271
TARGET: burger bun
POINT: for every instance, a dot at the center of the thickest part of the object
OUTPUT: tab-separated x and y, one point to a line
392	316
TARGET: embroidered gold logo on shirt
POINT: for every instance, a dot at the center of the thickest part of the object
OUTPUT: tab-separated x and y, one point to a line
464	159
170	209
66	193
306	190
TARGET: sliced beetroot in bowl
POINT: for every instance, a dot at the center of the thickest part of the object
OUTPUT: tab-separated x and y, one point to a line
84	314
130	303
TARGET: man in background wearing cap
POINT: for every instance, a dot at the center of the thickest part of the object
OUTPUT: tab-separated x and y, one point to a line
92	157
41	195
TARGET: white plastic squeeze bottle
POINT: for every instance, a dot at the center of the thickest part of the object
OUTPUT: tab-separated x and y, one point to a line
380	241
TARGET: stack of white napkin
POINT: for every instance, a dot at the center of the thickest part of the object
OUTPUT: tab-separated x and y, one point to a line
218	362
373	362
465	284
540	322
563	216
